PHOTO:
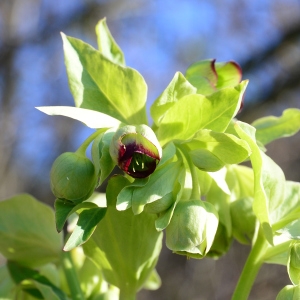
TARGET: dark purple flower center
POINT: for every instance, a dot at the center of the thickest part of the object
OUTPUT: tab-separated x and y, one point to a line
137	161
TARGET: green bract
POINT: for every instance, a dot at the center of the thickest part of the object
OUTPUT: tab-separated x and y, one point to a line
192	228
136	150
73	177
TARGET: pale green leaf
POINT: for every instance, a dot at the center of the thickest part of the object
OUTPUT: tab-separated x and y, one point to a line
165	217
269	180
124	199
86	225
227	149
101	156
91	118
27	231
243	219
195	112
240	180
160	183
290	208
221	202
177	89
271	128
129	245
98	84
107	45
219	179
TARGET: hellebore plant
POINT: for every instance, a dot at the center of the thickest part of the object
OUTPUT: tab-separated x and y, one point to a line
183	175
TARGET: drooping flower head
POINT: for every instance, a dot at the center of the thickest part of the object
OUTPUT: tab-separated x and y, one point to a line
136	150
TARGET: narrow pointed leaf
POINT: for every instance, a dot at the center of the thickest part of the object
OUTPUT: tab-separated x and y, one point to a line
90	118
107	45
86	224
63	209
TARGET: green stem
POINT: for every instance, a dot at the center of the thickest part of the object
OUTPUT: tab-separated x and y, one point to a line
251	268
125	295
71	276
82	149
286	220
276	250
195	189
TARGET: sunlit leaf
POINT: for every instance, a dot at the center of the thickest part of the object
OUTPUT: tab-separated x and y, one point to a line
271	128
216	148
99	84
107	45
177	89
91	118
195	112
269	180
101	156
160	183
126	248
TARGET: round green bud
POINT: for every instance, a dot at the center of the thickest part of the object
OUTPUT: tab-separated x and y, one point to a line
73	177
192	228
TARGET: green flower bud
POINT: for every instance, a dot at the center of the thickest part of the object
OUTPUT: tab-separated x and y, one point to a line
136	150
192	228
73	177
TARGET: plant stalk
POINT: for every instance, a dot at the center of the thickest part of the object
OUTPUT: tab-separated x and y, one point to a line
124	295
251	268
82	149
71	276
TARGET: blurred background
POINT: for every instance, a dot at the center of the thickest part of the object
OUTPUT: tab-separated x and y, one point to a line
158	39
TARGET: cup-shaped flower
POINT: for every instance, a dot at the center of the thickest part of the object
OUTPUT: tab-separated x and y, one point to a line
192	228
136	150
73	177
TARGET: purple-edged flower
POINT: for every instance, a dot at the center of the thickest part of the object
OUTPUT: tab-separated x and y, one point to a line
136	150
208	76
